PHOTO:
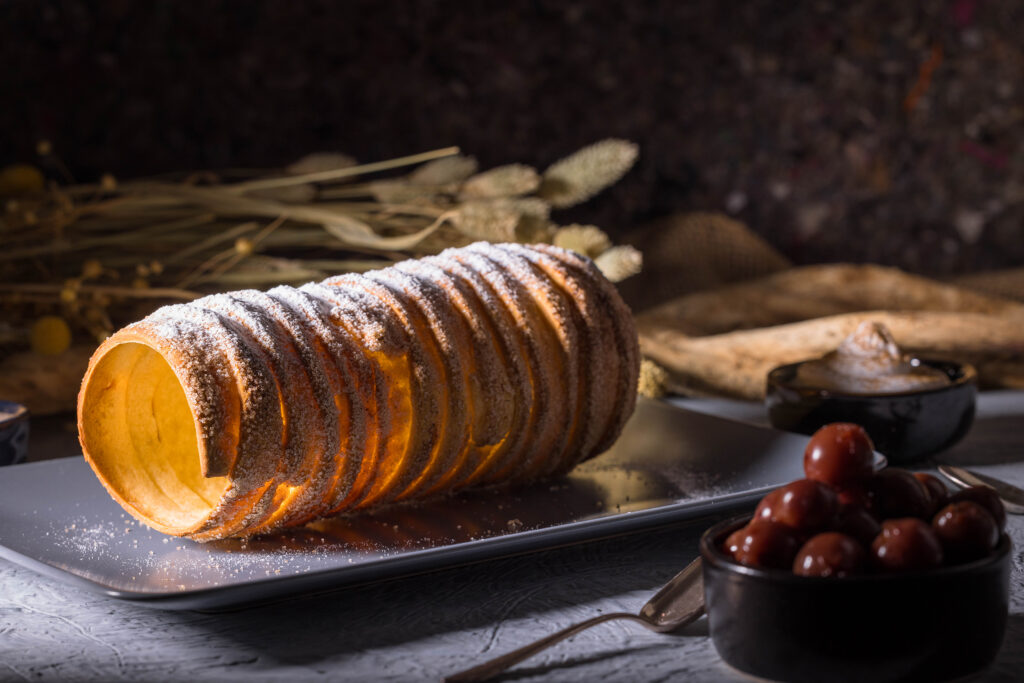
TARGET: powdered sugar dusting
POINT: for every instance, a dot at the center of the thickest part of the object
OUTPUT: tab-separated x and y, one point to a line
486	364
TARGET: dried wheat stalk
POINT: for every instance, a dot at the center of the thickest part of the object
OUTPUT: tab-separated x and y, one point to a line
99	254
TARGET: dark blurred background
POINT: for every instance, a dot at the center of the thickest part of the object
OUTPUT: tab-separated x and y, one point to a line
864	131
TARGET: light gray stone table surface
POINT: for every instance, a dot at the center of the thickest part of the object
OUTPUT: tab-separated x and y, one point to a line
423	627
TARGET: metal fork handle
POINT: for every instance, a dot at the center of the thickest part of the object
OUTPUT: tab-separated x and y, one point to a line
491	668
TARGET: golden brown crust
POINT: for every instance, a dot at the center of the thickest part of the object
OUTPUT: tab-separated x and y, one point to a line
425	396
557	335
482	365
489	393
509	306
375	329
587	347
616	311
438	320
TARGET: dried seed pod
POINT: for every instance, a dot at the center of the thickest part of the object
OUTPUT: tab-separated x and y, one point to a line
581	175
511	180
589	240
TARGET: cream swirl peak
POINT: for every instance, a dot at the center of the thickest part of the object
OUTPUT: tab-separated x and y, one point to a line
869	362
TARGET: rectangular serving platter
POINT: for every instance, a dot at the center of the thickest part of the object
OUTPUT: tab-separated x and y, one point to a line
670	464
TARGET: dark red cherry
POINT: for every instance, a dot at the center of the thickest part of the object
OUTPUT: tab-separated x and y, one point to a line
855	521
733	540
805	505
966	531
985	497
898	493
937	492
906	545
839	454
856	494
830	554
767	545
766	507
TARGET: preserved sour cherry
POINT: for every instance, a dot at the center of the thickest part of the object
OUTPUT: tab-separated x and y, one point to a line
840	455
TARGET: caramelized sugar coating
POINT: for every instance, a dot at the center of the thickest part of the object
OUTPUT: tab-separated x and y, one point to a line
241	413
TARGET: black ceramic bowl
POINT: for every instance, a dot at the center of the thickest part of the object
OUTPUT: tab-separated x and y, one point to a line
905	427
925	626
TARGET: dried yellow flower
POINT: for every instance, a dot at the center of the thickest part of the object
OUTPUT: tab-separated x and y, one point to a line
584	239
618	263
156	267
512	180
653	382
44	148
108	182
69	293
245	246
142	270
92	269
580	176
50	336
20	179
140	283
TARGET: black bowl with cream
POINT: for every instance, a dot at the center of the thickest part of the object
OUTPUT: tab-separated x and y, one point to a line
911	407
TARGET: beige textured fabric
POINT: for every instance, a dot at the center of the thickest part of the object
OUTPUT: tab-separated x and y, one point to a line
1005	283
814	292
694	252
737	364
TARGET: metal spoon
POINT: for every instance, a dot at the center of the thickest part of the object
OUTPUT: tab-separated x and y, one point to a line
1012	497
679	602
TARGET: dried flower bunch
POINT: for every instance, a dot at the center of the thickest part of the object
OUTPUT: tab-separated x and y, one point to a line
95	256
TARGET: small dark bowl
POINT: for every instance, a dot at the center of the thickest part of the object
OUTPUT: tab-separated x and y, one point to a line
13	433
906	427
936	625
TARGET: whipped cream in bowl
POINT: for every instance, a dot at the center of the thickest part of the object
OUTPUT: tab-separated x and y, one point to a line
911	407
869	362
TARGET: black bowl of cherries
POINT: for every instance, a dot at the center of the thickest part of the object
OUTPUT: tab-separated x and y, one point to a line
856	575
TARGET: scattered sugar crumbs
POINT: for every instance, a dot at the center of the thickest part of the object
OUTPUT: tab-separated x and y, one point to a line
127	554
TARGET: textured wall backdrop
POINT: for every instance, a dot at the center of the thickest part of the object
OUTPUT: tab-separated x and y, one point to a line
873	130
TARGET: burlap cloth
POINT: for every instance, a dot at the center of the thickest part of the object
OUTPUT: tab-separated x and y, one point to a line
718	307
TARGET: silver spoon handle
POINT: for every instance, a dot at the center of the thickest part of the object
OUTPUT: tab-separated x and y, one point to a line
489	669
1012	497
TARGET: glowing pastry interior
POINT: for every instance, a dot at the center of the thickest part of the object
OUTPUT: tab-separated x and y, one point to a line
241	413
